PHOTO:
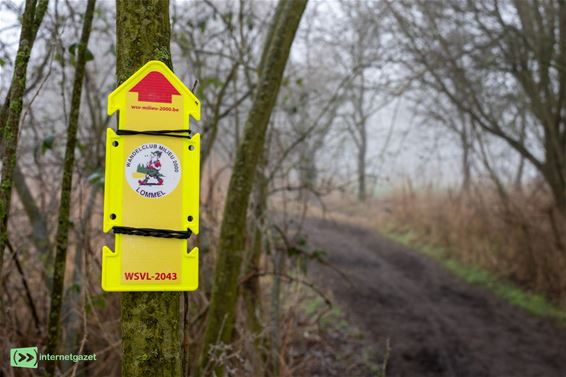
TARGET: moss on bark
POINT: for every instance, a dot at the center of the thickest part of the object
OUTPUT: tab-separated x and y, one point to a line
151	342
62	238
31	19
251	288
221	314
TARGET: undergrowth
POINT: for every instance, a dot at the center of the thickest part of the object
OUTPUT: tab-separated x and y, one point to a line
342	341
517	236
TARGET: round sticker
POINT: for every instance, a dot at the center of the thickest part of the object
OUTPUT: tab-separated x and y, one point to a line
153	170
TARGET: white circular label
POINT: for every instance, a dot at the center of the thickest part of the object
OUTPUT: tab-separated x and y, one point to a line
153	170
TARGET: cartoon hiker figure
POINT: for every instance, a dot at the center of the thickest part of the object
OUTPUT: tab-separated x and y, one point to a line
151	171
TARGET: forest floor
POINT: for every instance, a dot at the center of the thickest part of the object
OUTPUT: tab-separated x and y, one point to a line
433	323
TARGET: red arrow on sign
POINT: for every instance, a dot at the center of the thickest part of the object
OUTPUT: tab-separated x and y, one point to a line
155	87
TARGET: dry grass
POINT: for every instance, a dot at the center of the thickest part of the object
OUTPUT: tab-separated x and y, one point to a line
518	237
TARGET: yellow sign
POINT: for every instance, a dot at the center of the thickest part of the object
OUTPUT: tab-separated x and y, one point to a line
151	191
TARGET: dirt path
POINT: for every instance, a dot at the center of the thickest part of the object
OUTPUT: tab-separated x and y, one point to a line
437	325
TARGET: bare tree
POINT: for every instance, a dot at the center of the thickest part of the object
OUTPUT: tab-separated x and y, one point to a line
359	53
32	17
221	314
491	60
62	239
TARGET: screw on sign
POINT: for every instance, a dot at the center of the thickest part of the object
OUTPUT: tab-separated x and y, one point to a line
151	190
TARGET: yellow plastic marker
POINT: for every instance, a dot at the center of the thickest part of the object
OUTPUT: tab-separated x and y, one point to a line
151	191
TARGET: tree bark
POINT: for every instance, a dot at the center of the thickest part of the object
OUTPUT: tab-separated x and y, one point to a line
39	230
466	157
221	314
31	19
151	341
40	233
251	288
362	151
73	323
62	238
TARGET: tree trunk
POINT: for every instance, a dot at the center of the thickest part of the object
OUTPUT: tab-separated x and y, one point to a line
74	329
151	341
278	268
555	178
40	233
31	19
466	166
251	289
362	151
231	246
57	287
554	171
361	126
